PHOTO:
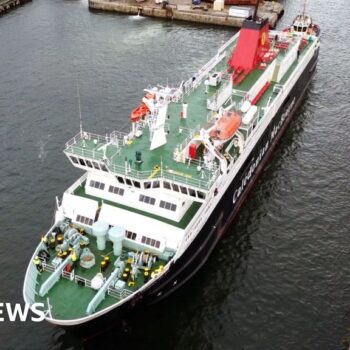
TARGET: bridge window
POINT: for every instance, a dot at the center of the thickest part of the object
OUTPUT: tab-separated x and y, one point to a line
150	241
84	220
192	192
155	184
147	200
136	184
166	185
130	235
73	159
96	166
200	195
183	189
116	190
81	162
88	163
167	205
120	179
97	184
103	167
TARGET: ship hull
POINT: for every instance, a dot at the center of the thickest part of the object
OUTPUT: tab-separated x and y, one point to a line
222	216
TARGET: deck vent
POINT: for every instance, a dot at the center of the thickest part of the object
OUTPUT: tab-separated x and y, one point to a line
138	156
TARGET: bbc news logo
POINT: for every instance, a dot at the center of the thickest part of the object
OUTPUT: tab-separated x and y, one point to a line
17	312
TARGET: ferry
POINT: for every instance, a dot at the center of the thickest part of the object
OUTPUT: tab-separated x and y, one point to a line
152	203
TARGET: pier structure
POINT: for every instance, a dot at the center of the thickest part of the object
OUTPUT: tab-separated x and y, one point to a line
184	10
7	5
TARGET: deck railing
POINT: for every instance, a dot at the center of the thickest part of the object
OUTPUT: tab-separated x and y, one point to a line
48	267
72	147
118	293
82	280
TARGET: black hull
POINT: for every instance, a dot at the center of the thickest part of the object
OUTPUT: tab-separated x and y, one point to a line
222	216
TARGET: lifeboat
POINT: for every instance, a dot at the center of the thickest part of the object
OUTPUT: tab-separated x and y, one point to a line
139	112
226	126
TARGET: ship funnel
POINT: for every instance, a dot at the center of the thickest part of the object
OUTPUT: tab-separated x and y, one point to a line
253	43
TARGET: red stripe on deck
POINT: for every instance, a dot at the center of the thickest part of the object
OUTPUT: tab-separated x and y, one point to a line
260	93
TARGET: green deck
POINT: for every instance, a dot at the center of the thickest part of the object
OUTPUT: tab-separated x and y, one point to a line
163	156
69	300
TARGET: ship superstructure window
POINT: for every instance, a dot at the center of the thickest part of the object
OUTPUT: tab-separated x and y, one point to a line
191	192
136	184
88	163
175	188
116	190
103	167
200	195
147	200
183	190
155	184
74	160
120	179
97	184
150	241
84	220
167	205
96	166
81	162
166	185
130	235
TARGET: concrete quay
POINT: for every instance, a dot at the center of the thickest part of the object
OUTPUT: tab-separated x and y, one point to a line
7	5
184	10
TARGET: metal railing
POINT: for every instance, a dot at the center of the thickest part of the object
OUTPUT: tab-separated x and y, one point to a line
126	170
88	136
48	267
118	293
81	151
85	281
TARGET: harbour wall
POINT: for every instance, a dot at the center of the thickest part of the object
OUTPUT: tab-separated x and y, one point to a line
7	5
179	11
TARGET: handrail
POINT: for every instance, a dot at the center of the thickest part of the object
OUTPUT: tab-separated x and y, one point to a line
54	277
100	295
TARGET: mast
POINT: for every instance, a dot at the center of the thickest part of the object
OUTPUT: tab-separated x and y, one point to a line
256	10
304	8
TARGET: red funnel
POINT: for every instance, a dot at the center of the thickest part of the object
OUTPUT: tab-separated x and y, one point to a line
253	43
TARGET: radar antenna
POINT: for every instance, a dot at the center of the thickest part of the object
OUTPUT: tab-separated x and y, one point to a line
79	106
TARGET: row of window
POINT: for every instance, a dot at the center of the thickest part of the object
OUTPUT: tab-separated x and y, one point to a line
91	164
84	220
145	240
150	241
137	184
142	198
147	200
97	184
130	235
167	205
116	190
111	189
167	185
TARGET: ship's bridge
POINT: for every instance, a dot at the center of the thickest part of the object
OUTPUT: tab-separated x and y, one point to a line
152	169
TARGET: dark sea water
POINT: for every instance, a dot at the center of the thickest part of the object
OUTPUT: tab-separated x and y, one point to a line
280	279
